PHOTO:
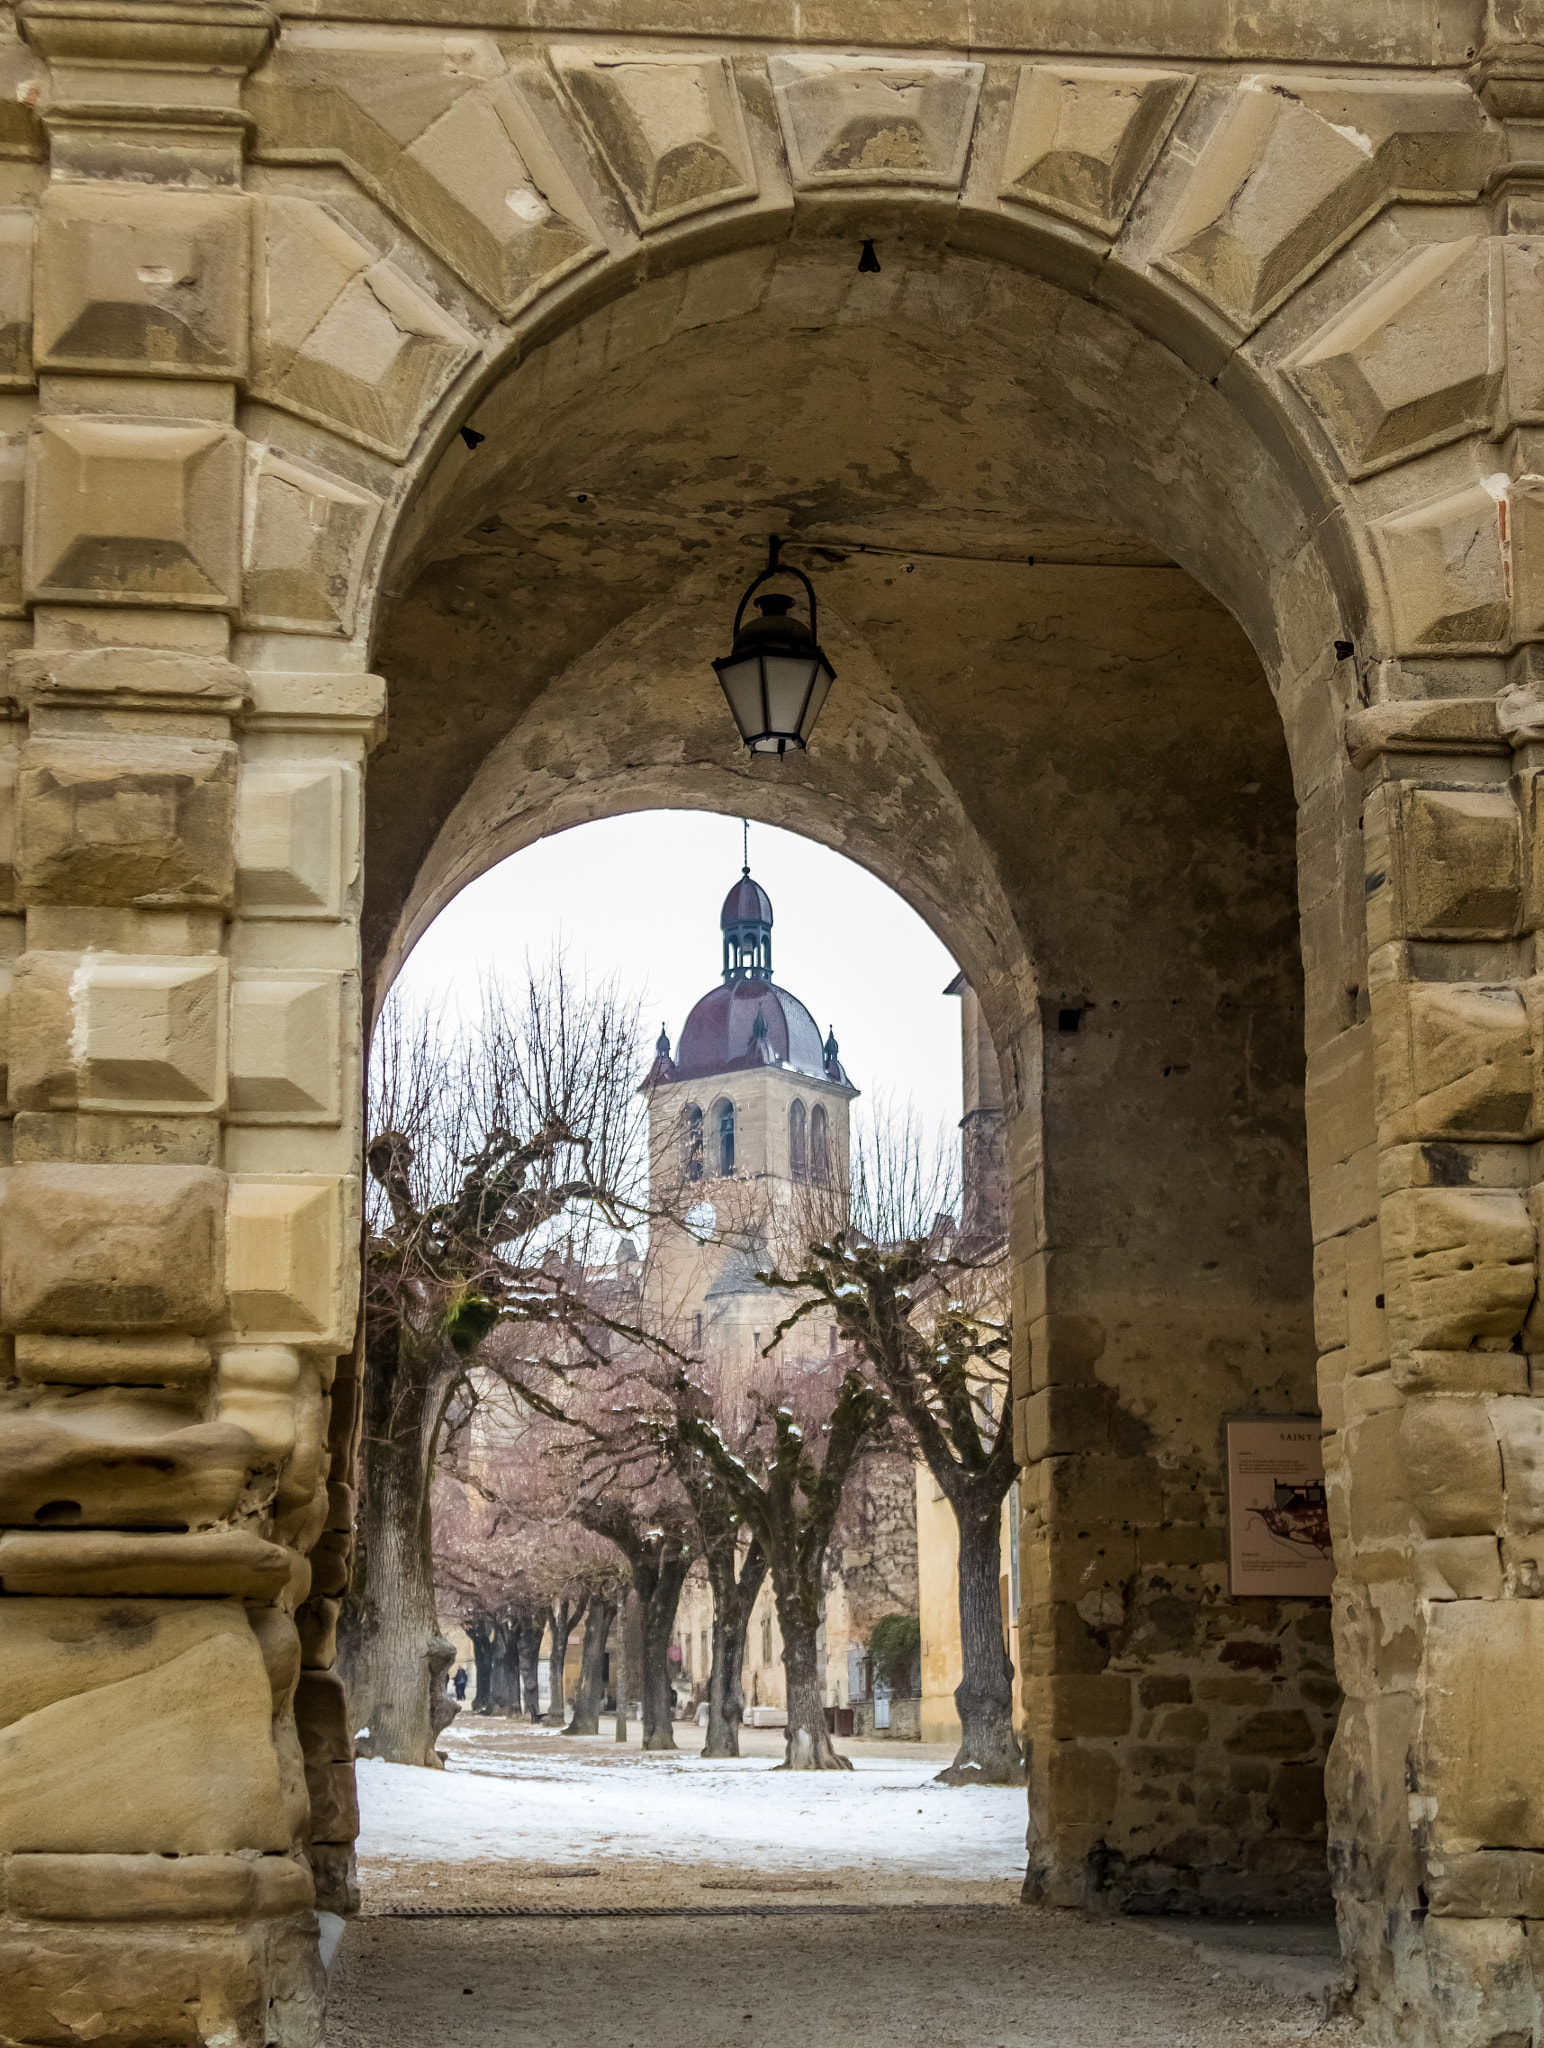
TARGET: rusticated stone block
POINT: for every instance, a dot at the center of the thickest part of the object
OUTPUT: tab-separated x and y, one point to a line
1446	568
321	1717
128	1247
305	549
337	1884
1084	138
334	1802
134	512
109	1459
83	1561
135	1988
259	1388
1455	1059
875	120
1487	1884
1519	1427
142	282
142	1032
155	1888
1453	1465
173	1759
1483	1750
1416	360
294	827
285	1030
1063	1419
331	1556
1458	1568
16	271
345	339
1478	1978
670	130
467	163
1064	1349
112	1361
1442	864
317	1622
137	823
1460	1265
287	1269
1295	167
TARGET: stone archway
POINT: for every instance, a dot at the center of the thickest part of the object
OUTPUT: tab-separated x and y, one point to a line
272	284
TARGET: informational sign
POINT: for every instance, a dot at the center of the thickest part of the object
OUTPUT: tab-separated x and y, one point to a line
1278	1522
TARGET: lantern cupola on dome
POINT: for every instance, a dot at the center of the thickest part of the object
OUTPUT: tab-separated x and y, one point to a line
746	922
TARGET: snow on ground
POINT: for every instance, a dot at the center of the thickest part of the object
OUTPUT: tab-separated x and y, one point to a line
564	1804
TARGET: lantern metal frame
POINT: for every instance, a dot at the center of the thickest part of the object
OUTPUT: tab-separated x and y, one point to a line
762	742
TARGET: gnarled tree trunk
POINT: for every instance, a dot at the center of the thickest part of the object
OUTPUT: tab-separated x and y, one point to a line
392	1654
734	1596
989	1750
530	1664
807	1741
592	1667
505	1688
481	1633
656	1616
562	1619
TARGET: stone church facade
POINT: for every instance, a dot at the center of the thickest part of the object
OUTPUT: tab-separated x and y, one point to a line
1154	388
749	1147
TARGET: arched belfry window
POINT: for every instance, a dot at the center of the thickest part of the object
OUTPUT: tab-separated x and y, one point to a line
798	1142
691	1141
820	1146
725	1115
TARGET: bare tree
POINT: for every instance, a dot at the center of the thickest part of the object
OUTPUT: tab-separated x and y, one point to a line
499	1161
650	1526
926	1315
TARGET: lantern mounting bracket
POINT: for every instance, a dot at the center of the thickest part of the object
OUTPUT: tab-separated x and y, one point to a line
777	567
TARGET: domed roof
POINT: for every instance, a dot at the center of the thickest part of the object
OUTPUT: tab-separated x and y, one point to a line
746	903
720	1035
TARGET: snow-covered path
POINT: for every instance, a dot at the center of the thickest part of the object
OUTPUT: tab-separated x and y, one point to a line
557	1801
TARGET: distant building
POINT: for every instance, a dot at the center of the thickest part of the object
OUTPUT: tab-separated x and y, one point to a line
748	1117
984	1223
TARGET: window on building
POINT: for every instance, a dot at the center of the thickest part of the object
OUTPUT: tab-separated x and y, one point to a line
798	1142
766	1639
707	1665
692	1142
820	1147
725	1115
833	1340
697	1326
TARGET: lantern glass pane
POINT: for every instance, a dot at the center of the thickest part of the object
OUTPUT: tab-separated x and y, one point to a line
824	678
741	681
788	684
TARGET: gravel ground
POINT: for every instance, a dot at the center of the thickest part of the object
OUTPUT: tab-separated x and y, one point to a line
1015	1977
1022	1979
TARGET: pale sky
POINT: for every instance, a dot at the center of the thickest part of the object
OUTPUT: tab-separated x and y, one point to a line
639	897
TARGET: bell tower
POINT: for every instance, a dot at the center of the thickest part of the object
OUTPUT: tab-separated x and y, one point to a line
750	1106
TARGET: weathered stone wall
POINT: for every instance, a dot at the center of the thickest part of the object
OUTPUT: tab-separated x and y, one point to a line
1241	300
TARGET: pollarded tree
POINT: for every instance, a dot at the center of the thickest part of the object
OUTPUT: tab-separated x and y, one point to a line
498	1159
925	1315
787	1486
762	1449
650	1527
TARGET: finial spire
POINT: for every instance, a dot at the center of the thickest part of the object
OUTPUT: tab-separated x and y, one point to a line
746	864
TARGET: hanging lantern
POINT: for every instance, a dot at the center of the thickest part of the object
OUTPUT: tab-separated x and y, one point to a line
775	676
